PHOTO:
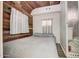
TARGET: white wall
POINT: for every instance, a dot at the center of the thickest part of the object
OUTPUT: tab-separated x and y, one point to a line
1	42
78	17
72	20
63	27
55	16
56	26
46	9
70	33
47	12
37	24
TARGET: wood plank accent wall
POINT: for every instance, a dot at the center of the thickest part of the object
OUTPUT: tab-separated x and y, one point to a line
17	6
6	26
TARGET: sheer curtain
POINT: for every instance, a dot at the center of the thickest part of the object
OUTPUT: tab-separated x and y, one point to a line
25	27
47	26
18	22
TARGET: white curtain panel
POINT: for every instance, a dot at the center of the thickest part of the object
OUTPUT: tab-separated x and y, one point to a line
47	23
25	27
13	21
47	26
18	22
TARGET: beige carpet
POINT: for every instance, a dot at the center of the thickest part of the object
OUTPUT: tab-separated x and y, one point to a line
31	47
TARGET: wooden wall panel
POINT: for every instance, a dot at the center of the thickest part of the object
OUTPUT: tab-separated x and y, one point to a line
6	15
17	6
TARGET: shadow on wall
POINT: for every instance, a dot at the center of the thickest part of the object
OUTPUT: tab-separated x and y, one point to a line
76	29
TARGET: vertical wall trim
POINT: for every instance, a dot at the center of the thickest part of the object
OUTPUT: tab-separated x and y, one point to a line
1	29
66	19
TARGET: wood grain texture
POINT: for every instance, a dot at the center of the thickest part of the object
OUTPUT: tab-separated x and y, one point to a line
27	6
17	6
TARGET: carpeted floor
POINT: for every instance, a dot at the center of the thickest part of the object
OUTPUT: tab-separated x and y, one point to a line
31	47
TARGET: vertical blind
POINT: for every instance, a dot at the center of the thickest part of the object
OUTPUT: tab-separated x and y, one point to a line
18	22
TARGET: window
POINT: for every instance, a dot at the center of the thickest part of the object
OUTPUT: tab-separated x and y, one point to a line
18	22
47	26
